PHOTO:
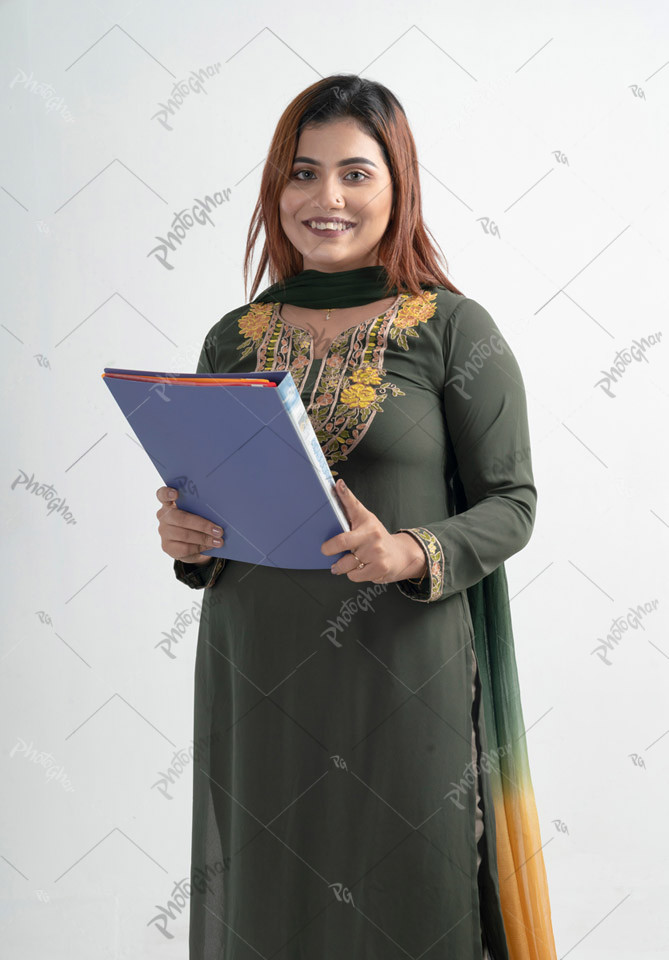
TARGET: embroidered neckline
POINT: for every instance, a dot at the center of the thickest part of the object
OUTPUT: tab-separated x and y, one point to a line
342	335
351	386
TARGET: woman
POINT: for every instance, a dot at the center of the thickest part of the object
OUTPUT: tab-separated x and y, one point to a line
347	782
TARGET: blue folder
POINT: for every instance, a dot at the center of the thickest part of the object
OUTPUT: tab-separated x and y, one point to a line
245	457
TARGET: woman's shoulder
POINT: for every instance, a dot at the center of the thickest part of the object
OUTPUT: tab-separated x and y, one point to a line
458	322
447	300
439	305
461	312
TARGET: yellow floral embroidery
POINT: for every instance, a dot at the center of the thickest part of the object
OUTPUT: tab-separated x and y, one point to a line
345	405
358	393
351	388
414	310
252	326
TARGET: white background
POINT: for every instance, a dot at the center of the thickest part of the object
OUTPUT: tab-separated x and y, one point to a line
542	137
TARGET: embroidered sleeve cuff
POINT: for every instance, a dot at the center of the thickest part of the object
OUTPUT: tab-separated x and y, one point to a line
199	575
431	585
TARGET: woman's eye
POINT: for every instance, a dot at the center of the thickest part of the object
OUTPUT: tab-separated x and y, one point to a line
363	176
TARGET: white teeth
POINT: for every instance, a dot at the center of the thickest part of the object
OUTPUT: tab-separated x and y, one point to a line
328	226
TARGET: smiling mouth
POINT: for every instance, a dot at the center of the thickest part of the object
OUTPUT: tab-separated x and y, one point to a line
328	226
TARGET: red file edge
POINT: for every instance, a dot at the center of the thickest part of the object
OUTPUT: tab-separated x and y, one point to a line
230	381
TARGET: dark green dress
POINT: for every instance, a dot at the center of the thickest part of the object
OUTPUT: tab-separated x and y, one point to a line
334	805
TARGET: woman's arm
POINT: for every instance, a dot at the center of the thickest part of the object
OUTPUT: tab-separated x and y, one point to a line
486	418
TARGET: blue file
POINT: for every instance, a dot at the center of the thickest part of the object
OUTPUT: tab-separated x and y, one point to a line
244	456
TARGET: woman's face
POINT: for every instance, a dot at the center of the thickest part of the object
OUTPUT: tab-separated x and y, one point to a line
338	173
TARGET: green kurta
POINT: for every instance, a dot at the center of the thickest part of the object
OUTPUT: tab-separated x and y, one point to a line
334	806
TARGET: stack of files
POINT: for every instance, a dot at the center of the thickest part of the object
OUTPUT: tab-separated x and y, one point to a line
242	452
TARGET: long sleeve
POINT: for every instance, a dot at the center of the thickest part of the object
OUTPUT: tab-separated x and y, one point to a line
200	575
485	411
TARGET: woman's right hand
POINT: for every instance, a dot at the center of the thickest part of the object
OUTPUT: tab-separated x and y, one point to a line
184	534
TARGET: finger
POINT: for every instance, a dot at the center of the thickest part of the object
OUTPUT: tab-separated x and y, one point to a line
359	576
193	538
167	494
192	523
337	544
185	551
355	511
349	564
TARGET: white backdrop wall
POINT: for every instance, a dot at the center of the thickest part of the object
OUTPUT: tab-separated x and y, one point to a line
542	137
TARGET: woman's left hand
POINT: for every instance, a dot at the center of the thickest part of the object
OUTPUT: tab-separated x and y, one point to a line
387	557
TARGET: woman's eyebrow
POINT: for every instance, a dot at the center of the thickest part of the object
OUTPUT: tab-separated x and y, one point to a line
341	163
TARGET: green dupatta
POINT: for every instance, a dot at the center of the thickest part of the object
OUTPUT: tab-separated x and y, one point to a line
523	885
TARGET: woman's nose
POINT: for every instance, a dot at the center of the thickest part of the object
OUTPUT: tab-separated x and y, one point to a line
329	192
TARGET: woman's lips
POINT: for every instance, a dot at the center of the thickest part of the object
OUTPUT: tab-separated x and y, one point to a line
327	233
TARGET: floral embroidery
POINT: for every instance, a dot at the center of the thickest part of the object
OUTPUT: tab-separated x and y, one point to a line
351	386
252	326
433	589
415	310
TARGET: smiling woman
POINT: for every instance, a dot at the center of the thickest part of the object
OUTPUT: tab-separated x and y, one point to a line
343	149
349	238
370	798
330	197
340	192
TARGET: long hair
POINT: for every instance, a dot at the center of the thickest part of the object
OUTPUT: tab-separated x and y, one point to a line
405	251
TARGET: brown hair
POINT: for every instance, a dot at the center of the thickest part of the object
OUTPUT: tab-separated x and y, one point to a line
405	251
